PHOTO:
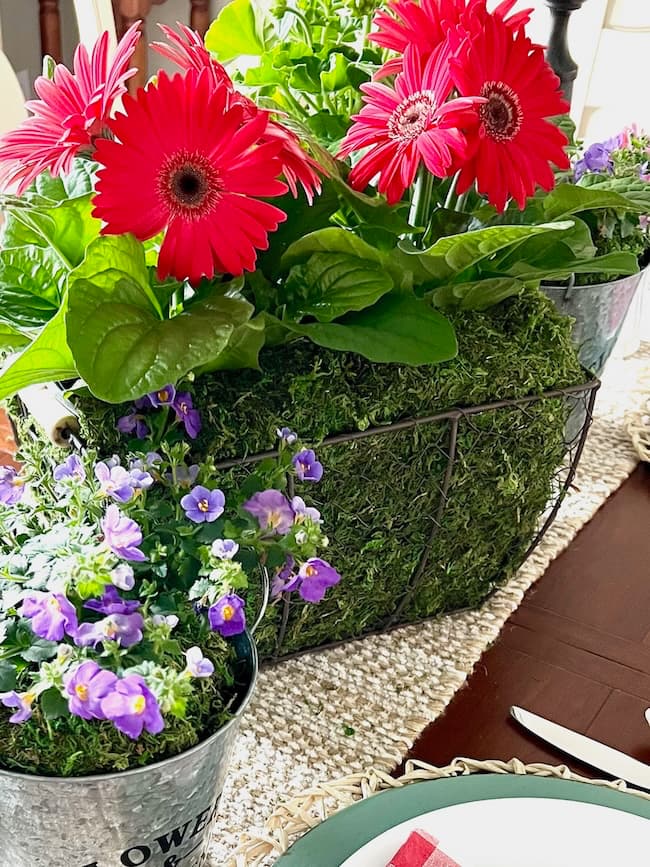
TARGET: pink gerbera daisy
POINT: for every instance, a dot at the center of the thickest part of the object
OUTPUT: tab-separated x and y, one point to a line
186	50
72	110
425	24
196	169
408	125
511	148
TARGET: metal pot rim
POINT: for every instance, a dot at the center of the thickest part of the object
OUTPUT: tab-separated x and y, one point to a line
37	778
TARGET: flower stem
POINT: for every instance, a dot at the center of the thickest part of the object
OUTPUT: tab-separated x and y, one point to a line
452	190
421	203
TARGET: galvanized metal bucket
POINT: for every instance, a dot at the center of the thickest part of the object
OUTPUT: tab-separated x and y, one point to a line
161	815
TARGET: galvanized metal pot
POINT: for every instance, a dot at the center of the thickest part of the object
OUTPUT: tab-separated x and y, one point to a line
161	815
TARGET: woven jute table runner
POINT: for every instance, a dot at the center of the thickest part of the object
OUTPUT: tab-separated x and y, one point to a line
362	704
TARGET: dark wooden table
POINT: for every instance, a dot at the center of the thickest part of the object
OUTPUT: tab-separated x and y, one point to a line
576	651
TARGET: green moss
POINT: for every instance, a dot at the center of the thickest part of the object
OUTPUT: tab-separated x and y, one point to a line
379	494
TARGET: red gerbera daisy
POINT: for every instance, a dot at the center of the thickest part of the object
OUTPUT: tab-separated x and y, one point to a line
425	24
187	51
512	146
408	125
196	168
72	110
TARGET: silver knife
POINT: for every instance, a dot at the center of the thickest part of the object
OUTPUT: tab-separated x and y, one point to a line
589	751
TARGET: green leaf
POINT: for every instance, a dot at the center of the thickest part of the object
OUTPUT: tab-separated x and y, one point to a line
40	650
336	77
240	28
123	349
46	359
330	285
479	295
567	199
306	76
631	187
399	328
10	339
32	283
330	240
7	676
53	705
79	181
242	350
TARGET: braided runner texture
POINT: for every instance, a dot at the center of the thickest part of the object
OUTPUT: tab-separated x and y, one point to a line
362	705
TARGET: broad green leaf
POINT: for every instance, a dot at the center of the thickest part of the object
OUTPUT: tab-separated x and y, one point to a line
306	76
7	676
567	199
53	705
10	339
240	28
123	349
32	283
336	76
633	188
330	240
619	262
40	650
479	295
77	182
242	350
330	285
398	328
46	359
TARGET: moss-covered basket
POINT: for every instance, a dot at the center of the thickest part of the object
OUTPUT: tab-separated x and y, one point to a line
380	494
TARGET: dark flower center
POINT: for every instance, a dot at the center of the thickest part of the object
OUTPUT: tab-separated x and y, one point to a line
501	114
412	116
190	185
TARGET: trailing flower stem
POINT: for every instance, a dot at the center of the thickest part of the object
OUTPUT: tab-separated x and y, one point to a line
421	204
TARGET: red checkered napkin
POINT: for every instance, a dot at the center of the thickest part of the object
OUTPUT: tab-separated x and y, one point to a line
421	850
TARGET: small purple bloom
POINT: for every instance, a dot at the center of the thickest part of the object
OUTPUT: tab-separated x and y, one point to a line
22	701
644	222
302	511
197	664
170	620
597	158
272	510
202	504
122	535
133	423
142	403
139	479
224	549
86	686
71	468
112	603
122	576
287	435
132	708
227	616
286	579
51	615
183	476
125	629
12	486
308	469
186	413
317	575
114	482
163	397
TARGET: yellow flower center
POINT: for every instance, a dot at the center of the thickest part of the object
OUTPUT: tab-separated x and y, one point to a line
82	691
310	571
274	519
228	612
163	395
28	697
54	603
139	704
110	629
203	505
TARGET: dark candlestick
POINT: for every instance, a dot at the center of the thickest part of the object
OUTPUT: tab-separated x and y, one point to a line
557	53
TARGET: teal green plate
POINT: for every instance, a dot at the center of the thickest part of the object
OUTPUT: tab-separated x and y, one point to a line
335	840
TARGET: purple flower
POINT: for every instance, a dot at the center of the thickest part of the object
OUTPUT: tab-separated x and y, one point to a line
133	423
12	486
203	505
170	620
302	511
71	468
112	603
22	701
308	469
122	535
286	579
139	479
197	664
163	397
125	629
51	615
287	435
186	413
596	158
142	402
317	575
227	615
183	476
132	708
86	686
224	549
644	222
114	482
122	576
272	510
